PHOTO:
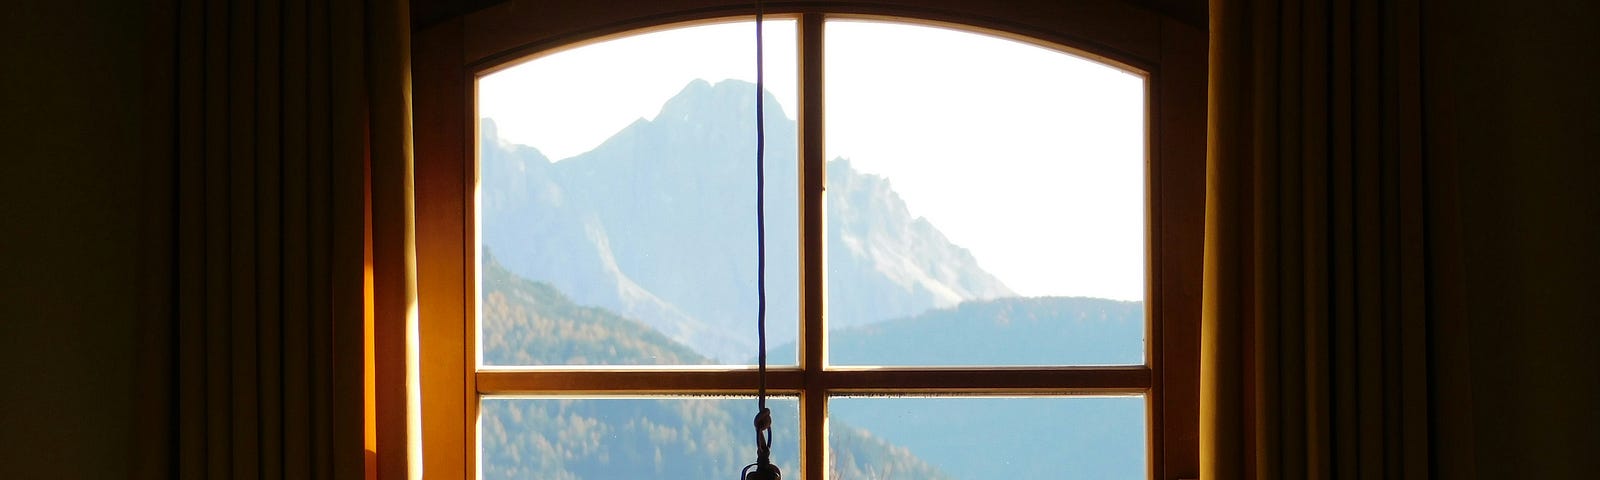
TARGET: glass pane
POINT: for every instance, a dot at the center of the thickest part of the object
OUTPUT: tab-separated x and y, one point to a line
980	438
985	201
617	201
672	438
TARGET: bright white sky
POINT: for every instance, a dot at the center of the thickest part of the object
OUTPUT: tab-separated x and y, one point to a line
597	89
1031	159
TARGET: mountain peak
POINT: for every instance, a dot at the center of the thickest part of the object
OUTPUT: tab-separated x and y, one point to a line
488	129
701	100
489	135
670	195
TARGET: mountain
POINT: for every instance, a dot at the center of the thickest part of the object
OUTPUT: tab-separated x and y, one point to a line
531	323
641	251
871	438
1007	331
657	223
547	231
1101	437
665	438
883	263
980	438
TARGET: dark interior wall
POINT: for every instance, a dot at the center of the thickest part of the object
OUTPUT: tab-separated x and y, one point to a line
1517	106
428	12
69	194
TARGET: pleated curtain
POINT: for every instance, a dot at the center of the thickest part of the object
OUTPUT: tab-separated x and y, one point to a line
276	339
1332	342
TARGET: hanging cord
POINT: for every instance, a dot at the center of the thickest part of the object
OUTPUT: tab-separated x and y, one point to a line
761	217
763	469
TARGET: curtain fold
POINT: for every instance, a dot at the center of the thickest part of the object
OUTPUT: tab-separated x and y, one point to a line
1329	299
273	113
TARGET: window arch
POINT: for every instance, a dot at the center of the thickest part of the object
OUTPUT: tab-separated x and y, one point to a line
452	55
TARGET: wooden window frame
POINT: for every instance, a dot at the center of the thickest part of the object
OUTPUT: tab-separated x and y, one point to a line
449	56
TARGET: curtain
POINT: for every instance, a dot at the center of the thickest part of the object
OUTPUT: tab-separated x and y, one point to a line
276	341
1332	342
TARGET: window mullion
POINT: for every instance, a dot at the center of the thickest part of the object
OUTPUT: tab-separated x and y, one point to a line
813	336
740	381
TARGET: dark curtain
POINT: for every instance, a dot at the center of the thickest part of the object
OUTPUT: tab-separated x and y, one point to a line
1332	344
286	208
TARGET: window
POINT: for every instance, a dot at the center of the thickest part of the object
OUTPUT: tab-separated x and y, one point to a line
964	274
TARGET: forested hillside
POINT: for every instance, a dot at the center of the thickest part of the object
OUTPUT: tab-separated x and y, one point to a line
670	438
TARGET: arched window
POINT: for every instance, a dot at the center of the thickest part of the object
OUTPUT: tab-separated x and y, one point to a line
970	263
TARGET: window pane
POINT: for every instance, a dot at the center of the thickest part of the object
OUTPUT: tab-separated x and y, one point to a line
687	438
617	201
979	438
985	201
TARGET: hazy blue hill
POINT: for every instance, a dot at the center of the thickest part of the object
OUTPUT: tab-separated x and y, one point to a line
1100	435
1007	331
982	438
657	223
603	439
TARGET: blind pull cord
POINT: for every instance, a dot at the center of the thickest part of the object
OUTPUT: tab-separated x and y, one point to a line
763	469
